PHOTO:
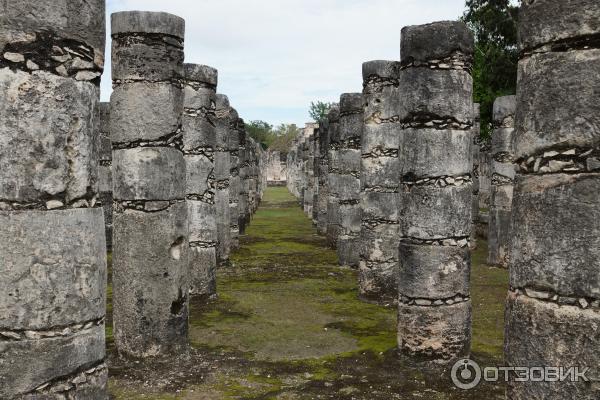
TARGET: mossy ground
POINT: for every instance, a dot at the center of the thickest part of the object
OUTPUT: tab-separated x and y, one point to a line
288	325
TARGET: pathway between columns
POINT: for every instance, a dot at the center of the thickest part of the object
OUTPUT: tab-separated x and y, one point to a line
288	325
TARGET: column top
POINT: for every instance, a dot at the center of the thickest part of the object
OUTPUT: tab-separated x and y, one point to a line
435	41
504	107
350	102
147	22
381	68
201	73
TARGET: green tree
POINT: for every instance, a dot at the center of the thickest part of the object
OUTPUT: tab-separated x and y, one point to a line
494	24
318	110
261	131
284	136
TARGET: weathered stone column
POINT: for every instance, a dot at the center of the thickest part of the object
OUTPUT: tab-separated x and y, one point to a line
323	177
475	174
199	145
252	177
222	176
316	160
379	179
333	203
348	180
150	225
52	243
503	175
105	169
553	306
436	111
233	144
243	218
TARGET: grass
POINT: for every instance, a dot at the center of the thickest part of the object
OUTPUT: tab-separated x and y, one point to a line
288	324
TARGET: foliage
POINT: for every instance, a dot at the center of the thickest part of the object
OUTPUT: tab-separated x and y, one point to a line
284	136
260	131
318	110
494	24
278	139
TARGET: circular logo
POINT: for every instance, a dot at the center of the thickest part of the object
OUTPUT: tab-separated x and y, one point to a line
466	374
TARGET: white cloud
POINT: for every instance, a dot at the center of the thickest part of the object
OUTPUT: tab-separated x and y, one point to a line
276	56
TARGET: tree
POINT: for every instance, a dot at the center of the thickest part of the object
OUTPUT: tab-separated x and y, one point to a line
318	110
284	136
261	131
494	24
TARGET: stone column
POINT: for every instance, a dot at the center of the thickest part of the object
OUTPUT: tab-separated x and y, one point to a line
150	225
323	171
379	177
199	145
52	243
348	180
316	162
222	176
553	306
244	179
333	203
436	110
475	174
105	169
233	143
252	177
503	175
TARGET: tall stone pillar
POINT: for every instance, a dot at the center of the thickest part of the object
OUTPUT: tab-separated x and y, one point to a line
252	177
333	203
553	306
379	177
150	225
503	175
348	180
316	162
436	110
475	174
105	169
222	176
52	243
199	148
243	217
233	144
323	176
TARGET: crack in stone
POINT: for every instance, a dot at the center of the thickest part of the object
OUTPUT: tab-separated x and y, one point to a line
458	241
11	335
67	383
558	159
553	297
426	302
173	140
457	61
582	42
410	180
421	120
147	206
52	202
50	53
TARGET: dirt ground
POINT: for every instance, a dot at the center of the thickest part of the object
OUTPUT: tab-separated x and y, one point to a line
288	325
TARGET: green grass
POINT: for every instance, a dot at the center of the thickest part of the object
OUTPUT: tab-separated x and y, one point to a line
292	318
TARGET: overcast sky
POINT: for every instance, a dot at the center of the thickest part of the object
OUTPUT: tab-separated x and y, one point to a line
276	56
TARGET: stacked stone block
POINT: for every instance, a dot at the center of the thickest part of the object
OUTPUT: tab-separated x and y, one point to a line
322	163
475	174
199	145
243	219
52	240
333	199
347	181
435	108
150	226
234	179
222	179
503	175
379	180
553	306
105	169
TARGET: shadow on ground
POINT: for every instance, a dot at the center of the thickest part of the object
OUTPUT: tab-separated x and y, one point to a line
288	325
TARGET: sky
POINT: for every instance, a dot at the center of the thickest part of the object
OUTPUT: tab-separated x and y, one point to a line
276	56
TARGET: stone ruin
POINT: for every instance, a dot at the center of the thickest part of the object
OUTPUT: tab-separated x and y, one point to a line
151	161
379	183
52	298
395	178
553	306
276	171
503	175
